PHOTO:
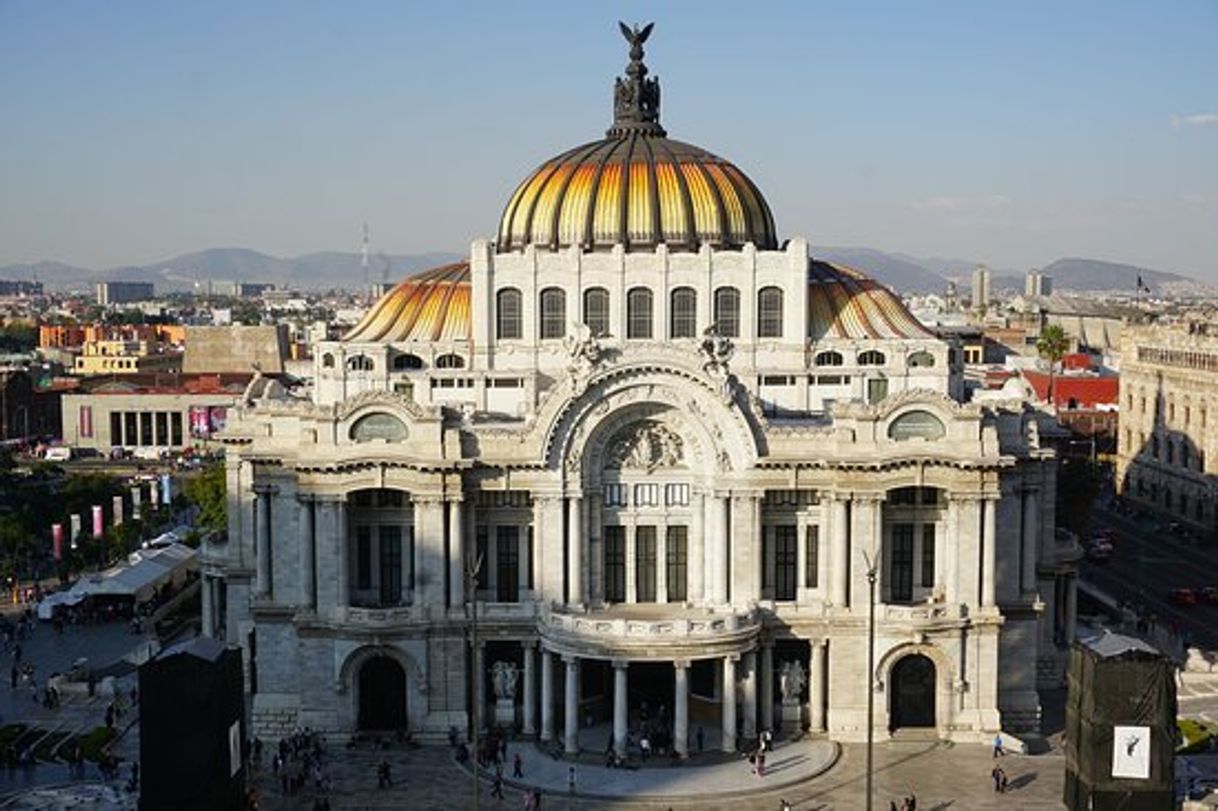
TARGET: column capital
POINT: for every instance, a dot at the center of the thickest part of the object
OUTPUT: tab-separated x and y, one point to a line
265	489
820	643
529	644
731	657
330	498
455	498
305	499
681	664
427	499
570	660
620	664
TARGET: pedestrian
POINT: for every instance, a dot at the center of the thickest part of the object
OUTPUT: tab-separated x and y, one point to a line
997	774
382	775
526	801
536	800
892	805
571	780
645	747
998	750
1002	785
497	788
761	764
518	766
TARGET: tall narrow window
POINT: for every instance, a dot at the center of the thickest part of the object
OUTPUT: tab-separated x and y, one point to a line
615	564
390	564
675	551
596	310
507	314
645	564
928	555
638	313
553	312
812	558
785	561
727	312
769	312
507	563
683	315
901	586
363	558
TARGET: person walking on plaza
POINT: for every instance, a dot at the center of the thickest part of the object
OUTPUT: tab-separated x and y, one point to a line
518	766
999	777
571	780
497	788
998	750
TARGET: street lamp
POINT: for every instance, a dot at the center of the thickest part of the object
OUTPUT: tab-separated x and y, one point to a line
871	578
473	565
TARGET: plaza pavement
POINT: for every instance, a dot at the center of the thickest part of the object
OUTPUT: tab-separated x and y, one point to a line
942	776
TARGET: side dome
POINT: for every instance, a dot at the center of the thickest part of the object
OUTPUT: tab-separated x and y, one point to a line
636	187
846	303
433	305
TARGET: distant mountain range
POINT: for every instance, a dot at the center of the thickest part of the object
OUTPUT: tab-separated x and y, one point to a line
332	270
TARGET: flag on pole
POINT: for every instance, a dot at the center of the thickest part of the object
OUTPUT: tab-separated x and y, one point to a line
1142	288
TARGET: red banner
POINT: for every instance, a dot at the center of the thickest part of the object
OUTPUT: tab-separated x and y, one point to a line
98	521
57	540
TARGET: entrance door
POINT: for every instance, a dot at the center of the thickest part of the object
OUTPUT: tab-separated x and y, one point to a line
382	694
913	693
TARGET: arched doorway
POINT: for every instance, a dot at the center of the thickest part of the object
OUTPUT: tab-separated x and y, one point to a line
912	693
382	694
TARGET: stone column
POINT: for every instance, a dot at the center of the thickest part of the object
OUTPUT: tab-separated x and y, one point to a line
750	695
571	721
549	537
620	675
529	649
951	585
839	592
338	513
1071	607
209	610
801	562
680	708
817	680
456	553
729	703
547	695
262	541
308	553
767	685
575	550
719	514
1031	539
632	583
428	546
989	551
696	562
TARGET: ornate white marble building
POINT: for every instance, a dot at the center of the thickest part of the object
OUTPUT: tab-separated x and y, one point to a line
673	444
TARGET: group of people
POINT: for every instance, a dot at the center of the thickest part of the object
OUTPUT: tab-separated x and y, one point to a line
757	755
909	803
299	760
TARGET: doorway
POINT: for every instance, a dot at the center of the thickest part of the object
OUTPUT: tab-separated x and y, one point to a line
382	695
912	693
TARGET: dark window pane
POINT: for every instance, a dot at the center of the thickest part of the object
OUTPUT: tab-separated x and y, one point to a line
507	569
676	543
928	555
785	561
615	564
901	586
645	564
812	563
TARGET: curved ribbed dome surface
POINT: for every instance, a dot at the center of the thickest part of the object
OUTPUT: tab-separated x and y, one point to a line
638	190
429	306
845	303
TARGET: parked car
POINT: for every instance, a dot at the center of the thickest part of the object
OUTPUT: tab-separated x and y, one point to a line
1209	594
1183	596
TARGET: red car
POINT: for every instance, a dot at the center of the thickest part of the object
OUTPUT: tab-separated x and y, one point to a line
1183	596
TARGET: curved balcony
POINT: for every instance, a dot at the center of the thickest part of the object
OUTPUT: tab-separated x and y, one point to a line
648	632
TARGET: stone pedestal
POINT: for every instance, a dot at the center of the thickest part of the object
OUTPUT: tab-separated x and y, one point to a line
792	717
505	713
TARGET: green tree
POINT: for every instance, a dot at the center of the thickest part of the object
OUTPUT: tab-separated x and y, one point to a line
208	492
1052	345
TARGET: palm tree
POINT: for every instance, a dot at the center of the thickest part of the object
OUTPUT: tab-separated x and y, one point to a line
1052	345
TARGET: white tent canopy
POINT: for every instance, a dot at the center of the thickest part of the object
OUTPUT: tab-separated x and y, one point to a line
148	570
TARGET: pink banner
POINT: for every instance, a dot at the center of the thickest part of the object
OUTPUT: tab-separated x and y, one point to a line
57	540
99	520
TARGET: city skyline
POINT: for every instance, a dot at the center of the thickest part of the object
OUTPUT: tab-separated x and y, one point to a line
1014	137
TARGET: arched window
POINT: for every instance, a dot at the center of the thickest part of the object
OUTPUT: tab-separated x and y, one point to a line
327	361
360	363
507	314
727	312
553	312
638	313
450	361
769	312
596	310
872	357
829	358
683	315
921	360
406	362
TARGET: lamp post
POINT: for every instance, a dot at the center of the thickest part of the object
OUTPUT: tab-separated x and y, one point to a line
473	565
871	578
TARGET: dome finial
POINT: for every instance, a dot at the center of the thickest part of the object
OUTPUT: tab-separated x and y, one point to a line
636	99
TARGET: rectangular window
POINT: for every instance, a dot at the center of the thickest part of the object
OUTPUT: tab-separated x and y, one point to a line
390	562
86	421
615	495
812	557
676	495
785	561
901	586
647	495
363	558
676	544
507	563
928	555
175	428
129	434
116	428
615	564
877	390
528	559
645	564
162	427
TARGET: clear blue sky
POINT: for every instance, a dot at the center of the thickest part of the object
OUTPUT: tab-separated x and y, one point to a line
1013	133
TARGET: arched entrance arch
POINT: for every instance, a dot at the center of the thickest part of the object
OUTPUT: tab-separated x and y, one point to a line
381	691
911	692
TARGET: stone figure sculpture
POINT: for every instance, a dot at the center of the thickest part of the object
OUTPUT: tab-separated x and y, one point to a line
584	352
503	678
791	681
